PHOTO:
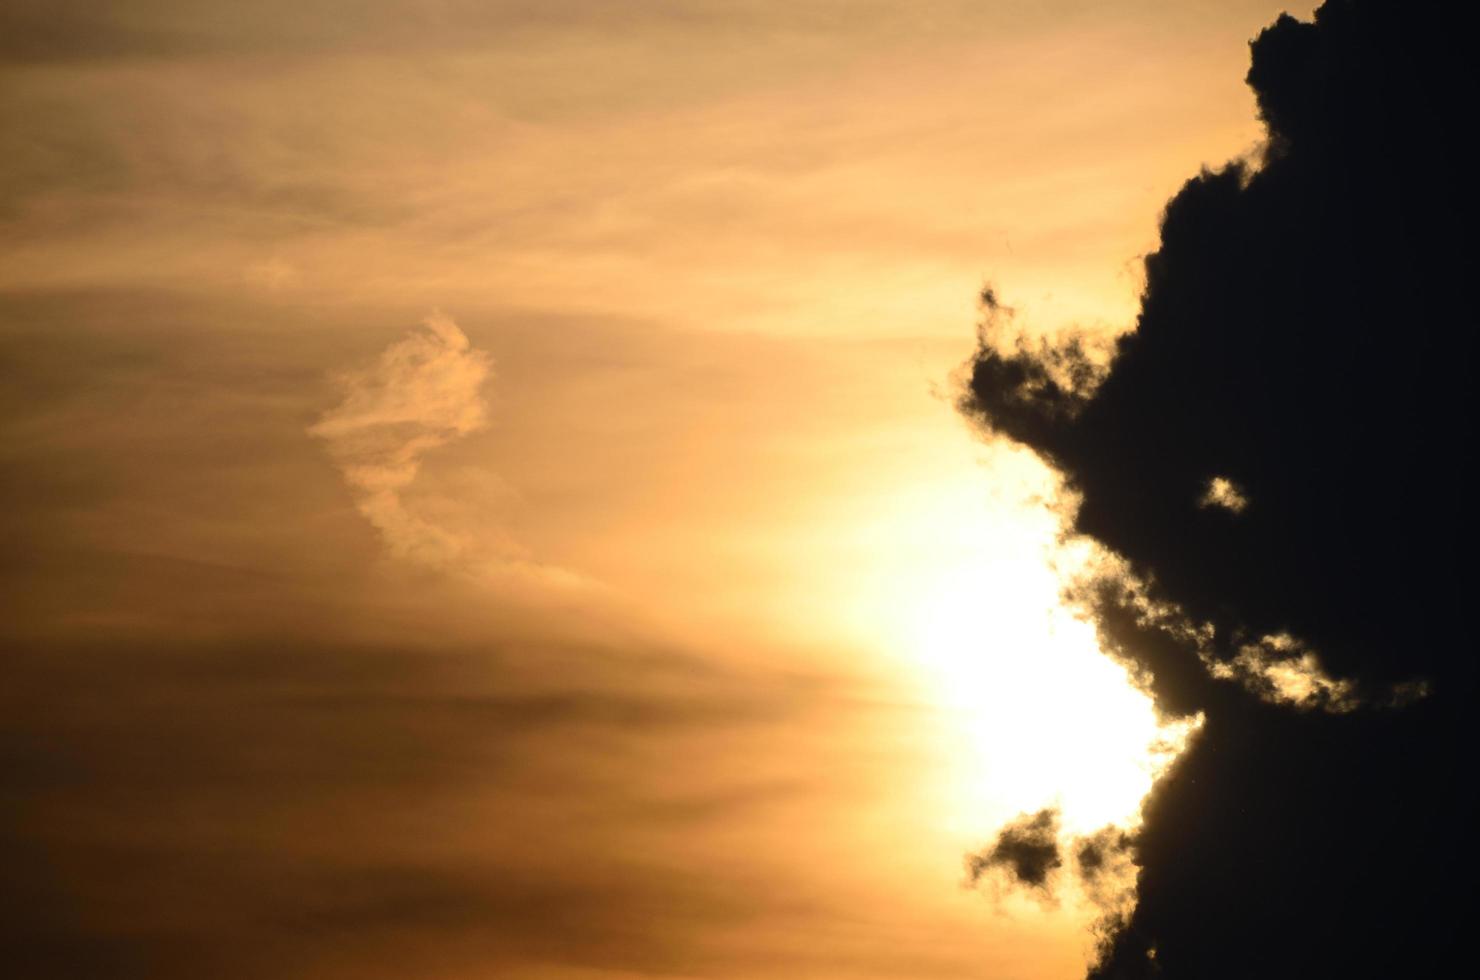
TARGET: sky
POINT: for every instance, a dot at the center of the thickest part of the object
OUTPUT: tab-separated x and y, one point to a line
484	490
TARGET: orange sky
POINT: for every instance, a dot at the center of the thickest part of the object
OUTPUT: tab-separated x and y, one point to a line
650	614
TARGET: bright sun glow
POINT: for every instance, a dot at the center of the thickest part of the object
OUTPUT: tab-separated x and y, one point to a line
1048	719
969	600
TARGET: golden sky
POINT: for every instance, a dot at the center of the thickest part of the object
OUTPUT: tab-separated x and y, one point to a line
483	492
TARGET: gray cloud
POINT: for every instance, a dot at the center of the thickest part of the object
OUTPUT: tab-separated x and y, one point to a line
1027	850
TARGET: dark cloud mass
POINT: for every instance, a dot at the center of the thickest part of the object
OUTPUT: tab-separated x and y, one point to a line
1303	358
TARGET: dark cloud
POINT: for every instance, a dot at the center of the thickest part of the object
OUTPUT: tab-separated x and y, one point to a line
1030	851
1305	341
1105	864
1027	849
1096	856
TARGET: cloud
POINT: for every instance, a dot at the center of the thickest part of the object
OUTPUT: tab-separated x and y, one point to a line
1030	852
1223	492
1271	465
1027	849
1280	669
423	392
1106	869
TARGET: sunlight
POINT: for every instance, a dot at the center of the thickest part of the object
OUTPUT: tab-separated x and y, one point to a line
969	600
1046	717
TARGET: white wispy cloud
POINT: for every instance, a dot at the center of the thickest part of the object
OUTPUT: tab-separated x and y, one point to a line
423	391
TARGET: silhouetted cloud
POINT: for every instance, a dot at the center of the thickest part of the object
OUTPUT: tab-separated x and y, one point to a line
1101	860
1030	852
1275	458
1027	849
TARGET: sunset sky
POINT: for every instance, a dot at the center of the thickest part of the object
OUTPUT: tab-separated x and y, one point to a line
484	491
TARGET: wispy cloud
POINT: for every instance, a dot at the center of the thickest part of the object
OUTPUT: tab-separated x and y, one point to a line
424	391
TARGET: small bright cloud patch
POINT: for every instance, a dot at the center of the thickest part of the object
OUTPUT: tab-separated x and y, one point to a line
1223	492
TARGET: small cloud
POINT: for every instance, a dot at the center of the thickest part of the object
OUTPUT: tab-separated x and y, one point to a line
423	392
1026	849
1402	694
1223	492
1030	851
1282	670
